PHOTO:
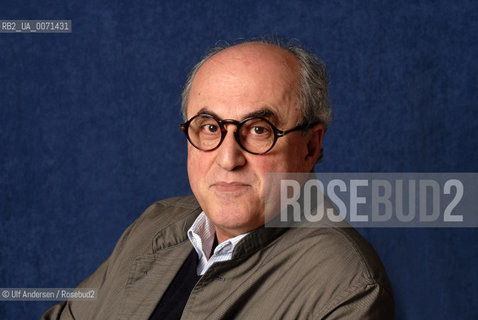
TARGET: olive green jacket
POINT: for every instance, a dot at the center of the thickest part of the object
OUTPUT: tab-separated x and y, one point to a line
275	273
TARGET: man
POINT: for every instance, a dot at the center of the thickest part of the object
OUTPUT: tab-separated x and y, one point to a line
251	109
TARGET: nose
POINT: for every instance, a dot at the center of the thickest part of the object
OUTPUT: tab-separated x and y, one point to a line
230	155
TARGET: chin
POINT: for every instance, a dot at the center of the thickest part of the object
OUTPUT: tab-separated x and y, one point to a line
233	219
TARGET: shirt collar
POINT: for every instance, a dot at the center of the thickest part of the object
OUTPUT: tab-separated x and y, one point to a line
202	234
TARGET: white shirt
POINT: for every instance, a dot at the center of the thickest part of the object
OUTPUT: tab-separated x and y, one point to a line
201	234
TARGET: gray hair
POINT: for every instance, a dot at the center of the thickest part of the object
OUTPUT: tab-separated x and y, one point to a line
313	102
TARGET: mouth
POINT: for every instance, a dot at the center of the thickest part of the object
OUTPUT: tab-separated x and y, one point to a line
230	187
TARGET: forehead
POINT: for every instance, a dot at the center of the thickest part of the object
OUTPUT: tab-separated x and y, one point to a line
241	79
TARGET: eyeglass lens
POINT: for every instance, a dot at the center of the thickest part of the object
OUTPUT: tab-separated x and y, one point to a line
255	134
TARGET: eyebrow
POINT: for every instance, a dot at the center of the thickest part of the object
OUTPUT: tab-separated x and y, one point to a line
263	113
205	110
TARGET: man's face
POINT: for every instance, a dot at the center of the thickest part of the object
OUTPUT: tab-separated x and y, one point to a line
229	182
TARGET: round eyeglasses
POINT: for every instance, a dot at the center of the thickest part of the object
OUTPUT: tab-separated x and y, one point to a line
255	135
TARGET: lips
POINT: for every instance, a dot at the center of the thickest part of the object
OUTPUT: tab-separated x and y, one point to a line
230	187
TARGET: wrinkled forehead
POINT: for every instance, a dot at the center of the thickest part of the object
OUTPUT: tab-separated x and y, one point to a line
256	54
247	74
255	58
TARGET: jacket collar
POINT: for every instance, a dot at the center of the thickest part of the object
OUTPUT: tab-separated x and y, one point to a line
176	232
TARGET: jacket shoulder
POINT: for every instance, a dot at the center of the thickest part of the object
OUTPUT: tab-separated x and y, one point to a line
341	248
186	202
168	210
339	267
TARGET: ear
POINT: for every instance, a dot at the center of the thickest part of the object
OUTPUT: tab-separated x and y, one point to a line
314	144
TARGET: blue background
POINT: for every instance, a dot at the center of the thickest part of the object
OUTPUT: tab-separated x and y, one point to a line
89	126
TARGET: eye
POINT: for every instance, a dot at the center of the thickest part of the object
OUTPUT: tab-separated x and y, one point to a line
209	128
258	130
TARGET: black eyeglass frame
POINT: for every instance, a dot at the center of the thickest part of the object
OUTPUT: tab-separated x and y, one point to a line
277	133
